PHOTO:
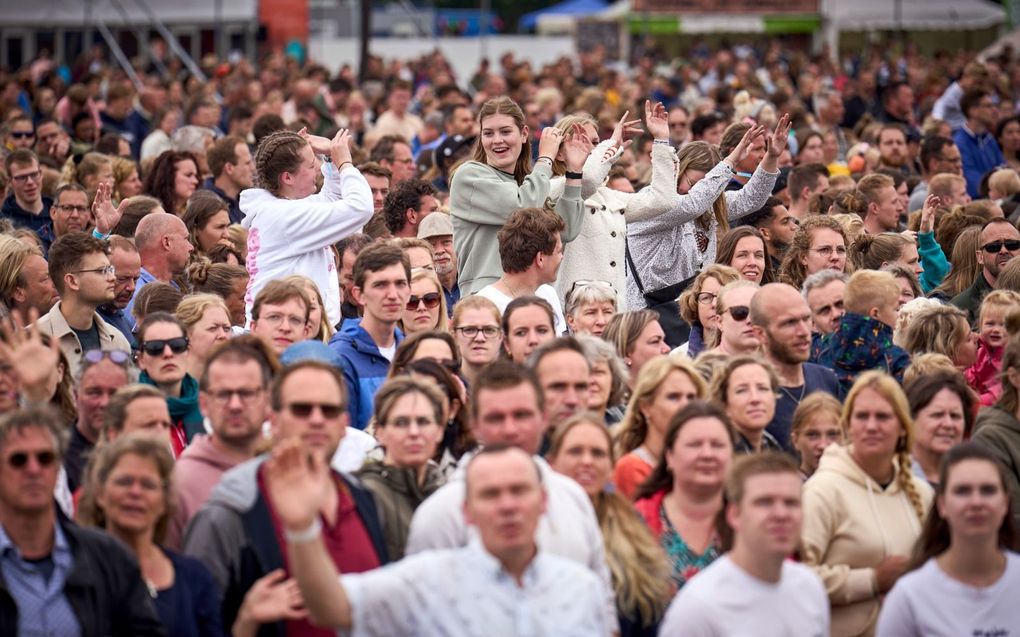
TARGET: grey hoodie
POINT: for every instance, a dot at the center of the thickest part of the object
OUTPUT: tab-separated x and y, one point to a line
999	432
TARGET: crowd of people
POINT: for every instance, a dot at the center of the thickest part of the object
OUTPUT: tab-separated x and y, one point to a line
724	347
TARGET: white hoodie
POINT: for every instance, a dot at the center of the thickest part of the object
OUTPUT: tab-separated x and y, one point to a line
293	236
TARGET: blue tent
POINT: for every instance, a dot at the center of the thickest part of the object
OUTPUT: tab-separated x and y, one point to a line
529	21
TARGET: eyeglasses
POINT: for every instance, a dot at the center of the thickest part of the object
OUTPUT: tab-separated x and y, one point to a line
33	176
117	357
739	312
706	298
19	459
275	319
81	210
471	331
147	484
826	251
1011	245
106	270
20	134
405	423
245	395
304	410
431	301
177	345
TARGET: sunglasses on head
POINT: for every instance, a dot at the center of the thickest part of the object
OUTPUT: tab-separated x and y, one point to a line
431	301
739	312
177	345
991	248
19	459
117	357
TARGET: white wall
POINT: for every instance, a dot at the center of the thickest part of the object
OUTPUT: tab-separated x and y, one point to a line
464	54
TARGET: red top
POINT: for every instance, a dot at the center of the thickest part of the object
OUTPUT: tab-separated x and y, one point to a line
631	471
347	542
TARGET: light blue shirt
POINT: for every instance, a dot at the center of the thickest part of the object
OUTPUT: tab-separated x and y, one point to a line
144	278
43	609
467	592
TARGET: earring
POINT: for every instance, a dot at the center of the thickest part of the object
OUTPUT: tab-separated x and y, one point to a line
627	361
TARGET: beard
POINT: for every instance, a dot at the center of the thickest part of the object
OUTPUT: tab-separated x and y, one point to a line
786	354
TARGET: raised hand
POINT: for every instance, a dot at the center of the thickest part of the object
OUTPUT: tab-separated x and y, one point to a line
105	215
931	203
320	145
549	143
298	483
340	147
741	150
775	144
657	120
626	129
35	364
576	149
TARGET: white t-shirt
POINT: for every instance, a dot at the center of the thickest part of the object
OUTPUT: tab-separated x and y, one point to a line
546	292
930	603
725	601
388	352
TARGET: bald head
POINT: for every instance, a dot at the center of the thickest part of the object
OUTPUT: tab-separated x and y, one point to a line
154	226
782	321
772	299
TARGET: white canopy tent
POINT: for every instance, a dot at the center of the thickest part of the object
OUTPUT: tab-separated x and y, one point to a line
907	15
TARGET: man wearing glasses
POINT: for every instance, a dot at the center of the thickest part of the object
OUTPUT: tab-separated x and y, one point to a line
84	279
57	578
238	534
234	398
70	211
1000	242
26	207
20	134
280	314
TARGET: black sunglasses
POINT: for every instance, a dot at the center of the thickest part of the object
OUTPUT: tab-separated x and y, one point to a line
739	312
19	459
991	248
431	301
304	410
177	345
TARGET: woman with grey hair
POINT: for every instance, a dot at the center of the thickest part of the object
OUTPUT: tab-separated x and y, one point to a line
589	307
607	389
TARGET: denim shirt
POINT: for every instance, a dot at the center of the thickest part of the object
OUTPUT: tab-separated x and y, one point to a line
43	609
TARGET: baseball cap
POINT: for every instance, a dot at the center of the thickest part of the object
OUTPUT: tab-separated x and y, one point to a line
310	351
435	225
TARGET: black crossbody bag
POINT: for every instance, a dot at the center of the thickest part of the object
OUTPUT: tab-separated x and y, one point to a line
664	302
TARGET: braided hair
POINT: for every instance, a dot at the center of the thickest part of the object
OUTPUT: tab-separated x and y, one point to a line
278	153
890	390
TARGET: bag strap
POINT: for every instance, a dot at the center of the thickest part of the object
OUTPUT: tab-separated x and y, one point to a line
633	268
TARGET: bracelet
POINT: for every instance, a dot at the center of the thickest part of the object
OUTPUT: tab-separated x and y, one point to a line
547	158
664	142
570	175
99	235
304	536
342	164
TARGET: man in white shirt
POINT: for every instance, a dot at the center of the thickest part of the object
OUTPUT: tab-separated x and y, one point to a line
530	253
502	584
507	408
776	596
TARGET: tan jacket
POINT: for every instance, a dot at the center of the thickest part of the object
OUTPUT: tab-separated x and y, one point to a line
54	324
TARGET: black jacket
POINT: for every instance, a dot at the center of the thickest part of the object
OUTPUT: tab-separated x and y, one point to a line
104	588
